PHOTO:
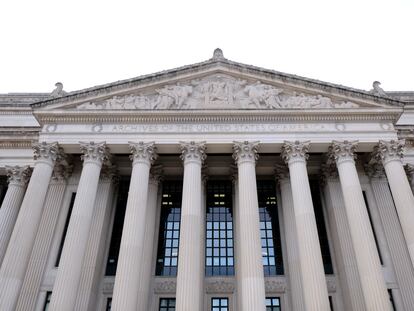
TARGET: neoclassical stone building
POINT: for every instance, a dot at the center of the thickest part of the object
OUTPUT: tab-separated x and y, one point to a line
215	186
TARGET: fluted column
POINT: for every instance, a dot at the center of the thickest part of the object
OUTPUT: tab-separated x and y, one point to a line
315	291
190	286
22	239
369	267
294	269
250	251
147	272
128	273
390	154
41	249
18	176
346	258
94	260
74	247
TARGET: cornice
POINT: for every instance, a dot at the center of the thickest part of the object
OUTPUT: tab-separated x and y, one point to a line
221	65
191	116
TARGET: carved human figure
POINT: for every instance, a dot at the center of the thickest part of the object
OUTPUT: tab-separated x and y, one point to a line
58	91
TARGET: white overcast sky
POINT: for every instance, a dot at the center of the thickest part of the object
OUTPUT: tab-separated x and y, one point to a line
87	43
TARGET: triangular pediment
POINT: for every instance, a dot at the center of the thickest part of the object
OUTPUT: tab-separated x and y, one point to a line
217	84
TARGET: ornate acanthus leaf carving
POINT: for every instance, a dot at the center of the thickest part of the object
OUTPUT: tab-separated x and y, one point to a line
341	150
219	286
409	170
143	152
374	169
46	151
328	172
281	172
93	151
110	173
156	174
245	151
193	151
389	150
218	92
297	150
18	175
275	285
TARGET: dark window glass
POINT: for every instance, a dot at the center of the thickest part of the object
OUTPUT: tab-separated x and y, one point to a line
372	226
117	227
47	301
331	303
65	229
108	304
391	300
269	228
320	223
219	304
273	304
3	188
219	229
167	304
169	233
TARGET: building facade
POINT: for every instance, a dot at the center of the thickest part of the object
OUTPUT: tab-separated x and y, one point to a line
214	186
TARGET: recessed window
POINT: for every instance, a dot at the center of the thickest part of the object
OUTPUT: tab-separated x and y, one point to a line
269	228
65	229
219	304
273	304
169	232
219	229
47	301
167	304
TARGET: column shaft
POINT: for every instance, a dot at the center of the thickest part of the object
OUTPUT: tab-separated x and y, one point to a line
315	291
347	267
95	251
128	277
149	242
190	282
369	267
250	252
294	269
41	249
74	247
17	177
17	256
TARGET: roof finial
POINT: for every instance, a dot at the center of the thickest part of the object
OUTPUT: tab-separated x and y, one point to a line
218	54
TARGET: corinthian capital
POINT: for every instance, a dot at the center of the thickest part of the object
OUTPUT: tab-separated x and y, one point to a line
48	152
192	151
245	151
18	175
143	152
341	151
295	151
94	152
389	150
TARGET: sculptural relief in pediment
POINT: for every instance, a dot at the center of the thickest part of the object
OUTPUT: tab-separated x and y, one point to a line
218	92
